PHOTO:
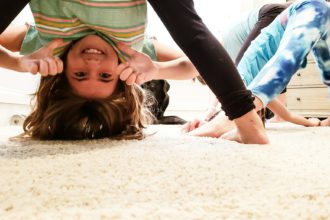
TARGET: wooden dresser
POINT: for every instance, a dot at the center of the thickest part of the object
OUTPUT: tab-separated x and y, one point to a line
306	94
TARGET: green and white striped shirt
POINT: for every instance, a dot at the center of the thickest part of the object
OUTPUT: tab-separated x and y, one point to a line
113	20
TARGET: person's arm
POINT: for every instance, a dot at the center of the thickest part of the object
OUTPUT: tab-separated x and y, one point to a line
41	61
172	63
166	53
139	68
10	42
278	108
12	37
9	60
178	69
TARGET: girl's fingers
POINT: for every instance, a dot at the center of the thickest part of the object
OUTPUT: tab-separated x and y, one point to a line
52	66
131	79
191	125
140	79
120	68
59	65
43	67
126	73
33	68
184	128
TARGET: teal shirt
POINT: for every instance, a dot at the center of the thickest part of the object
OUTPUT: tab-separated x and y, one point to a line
261	50
234	37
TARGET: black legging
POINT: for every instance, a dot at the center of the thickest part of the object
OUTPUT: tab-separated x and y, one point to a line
198	43
9	10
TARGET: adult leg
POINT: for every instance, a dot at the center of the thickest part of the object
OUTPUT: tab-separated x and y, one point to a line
9	10
213	63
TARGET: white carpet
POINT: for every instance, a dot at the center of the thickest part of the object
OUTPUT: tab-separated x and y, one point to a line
168	176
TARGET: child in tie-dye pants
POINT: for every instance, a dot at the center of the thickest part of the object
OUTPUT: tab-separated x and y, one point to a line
281	49
278	52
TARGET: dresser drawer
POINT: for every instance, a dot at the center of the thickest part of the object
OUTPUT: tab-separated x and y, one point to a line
312	113
307	77
308	99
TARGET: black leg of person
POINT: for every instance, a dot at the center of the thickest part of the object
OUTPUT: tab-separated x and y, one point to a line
9	10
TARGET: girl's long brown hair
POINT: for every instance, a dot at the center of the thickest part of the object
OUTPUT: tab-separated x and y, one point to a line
60	114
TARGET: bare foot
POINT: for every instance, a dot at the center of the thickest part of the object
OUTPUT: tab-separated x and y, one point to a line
232	135
250	129
276	119
214	128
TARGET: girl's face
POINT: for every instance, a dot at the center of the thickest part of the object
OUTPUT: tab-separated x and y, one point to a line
90	68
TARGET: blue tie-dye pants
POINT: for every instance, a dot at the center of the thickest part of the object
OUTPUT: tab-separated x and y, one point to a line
305	27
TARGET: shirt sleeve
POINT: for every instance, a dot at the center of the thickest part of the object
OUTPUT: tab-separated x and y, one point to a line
149	48
31	41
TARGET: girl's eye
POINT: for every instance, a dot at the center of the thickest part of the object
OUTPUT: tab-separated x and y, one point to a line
105	75
80	74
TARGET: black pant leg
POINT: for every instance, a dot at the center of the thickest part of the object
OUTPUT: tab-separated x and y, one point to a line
9	9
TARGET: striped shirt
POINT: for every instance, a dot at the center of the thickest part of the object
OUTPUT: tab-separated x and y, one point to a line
113	20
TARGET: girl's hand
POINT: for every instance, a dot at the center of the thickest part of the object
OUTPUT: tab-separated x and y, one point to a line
192	125
42	61
138	69
315	122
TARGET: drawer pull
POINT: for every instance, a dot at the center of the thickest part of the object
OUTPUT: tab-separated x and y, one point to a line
298	99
